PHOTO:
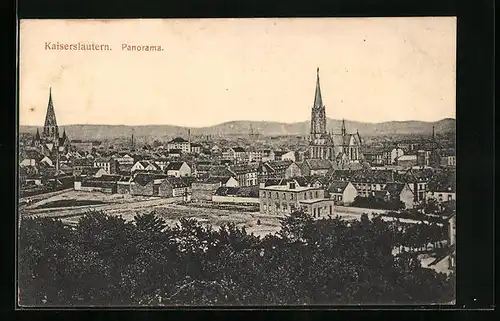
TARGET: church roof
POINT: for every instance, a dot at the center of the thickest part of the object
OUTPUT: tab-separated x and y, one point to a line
178	140
337	186
238	149
395	188
144	179
318	164
174	166
443	182
277	165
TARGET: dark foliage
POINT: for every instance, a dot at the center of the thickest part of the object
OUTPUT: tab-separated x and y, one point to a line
105	260
377	203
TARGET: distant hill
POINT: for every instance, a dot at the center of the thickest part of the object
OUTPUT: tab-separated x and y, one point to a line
100	132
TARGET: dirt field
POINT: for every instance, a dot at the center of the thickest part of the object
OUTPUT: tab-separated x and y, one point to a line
128	206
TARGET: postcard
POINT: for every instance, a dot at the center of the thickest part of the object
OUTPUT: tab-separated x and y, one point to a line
237	162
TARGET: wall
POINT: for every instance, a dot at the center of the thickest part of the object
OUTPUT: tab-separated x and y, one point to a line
284	197
293	171
452	230
288	156
232	182
165	189
320	172
203	191
407	197
136	189
181	191
320	209
232	199
123	188
350	194
107	190
407	163
395	153
445	195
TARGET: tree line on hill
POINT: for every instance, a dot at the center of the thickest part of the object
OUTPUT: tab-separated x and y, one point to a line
107	261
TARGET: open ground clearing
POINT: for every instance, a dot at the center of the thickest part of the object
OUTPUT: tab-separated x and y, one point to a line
128	206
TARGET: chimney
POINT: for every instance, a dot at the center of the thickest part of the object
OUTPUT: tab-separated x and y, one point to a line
291	185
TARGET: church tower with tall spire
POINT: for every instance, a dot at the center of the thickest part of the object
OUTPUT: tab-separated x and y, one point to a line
341	147
49	137
50	129
320	142
318	114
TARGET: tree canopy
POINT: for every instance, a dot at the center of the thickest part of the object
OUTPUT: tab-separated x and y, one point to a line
107	261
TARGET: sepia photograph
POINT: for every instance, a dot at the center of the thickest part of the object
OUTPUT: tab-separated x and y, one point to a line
236	162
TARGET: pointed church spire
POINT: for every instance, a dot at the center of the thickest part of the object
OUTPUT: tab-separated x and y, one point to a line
50	128
318	115
344	131
433	134
318	101
37	136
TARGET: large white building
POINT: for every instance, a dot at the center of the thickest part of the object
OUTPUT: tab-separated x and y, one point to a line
179	143
284	199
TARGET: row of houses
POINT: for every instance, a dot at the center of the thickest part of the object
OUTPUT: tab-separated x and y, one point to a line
283	196
239	154
408	155
139	184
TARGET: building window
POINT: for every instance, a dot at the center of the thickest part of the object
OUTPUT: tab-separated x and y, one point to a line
263	194
331	210
450	197
310	194
277	206
269	194
314	212
285	207
284	196
340	197
264	207
291	196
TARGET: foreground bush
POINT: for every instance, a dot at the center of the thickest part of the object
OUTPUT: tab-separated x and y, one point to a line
105	260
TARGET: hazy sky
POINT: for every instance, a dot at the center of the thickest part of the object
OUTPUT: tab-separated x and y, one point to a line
217	70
